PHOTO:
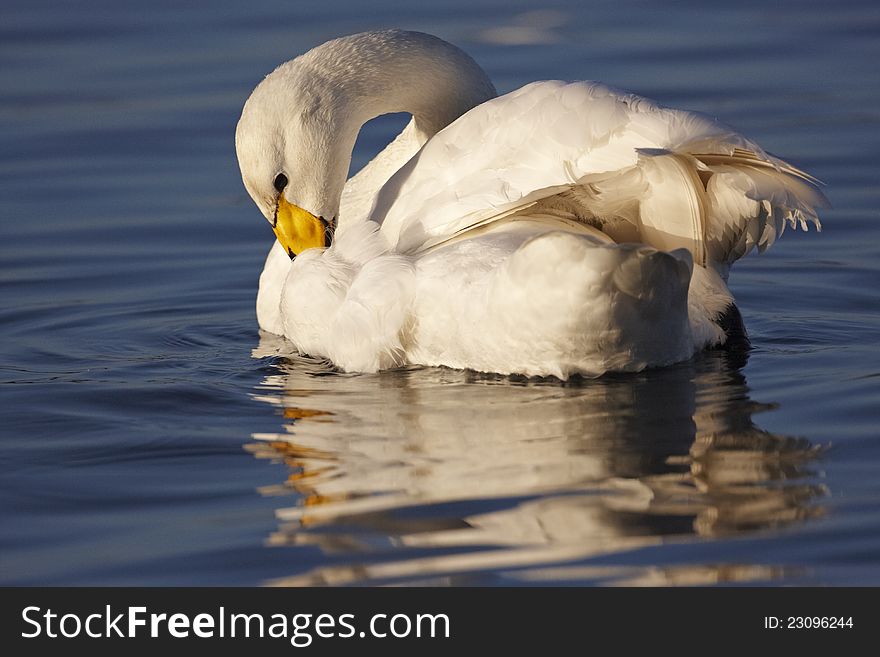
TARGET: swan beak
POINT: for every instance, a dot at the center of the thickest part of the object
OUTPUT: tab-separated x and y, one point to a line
298	230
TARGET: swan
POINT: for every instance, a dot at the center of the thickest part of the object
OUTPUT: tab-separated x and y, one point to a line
563	228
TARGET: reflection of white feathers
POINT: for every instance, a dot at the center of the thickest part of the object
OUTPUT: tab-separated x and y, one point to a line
535	475
562	228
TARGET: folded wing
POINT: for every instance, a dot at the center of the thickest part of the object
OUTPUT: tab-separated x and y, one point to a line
615	161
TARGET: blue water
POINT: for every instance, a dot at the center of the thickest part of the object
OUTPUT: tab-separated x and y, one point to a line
150	435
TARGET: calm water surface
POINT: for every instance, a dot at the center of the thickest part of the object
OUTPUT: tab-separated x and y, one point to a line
151	435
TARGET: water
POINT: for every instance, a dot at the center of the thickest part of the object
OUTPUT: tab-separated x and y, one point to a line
150	435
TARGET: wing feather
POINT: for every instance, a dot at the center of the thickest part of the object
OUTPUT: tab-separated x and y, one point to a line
677	178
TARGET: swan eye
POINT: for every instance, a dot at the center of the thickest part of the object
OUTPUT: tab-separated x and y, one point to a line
280	182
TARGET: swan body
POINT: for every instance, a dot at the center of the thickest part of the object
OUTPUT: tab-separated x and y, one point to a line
563	228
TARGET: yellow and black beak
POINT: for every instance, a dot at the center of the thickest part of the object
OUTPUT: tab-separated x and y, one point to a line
298	230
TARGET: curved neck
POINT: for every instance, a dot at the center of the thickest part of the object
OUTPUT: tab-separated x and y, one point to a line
357	78
391	71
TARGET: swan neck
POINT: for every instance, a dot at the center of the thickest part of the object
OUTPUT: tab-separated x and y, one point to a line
395	71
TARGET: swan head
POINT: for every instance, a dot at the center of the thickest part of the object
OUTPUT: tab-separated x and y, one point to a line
292	159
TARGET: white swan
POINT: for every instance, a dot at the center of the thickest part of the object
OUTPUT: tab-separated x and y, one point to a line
562	228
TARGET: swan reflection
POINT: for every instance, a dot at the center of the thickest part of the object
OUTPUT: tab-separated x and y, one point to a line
436	476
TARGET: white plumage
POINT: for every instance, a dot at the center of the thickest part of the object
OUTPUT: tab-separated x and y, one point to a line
562	228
